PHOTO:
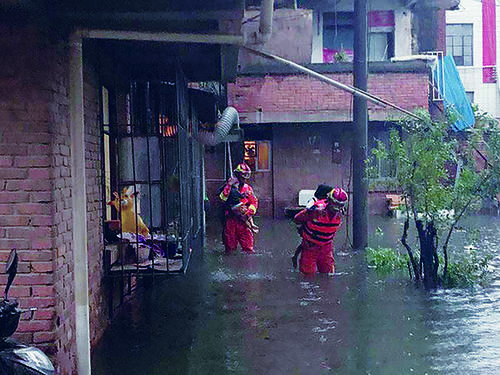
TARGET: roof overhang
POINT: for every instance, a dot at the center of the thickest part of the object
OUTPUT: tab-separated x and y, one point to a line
149	36
432	4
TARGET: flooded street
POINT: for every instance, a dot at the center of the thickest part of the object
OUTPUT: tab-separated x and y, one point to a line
252	314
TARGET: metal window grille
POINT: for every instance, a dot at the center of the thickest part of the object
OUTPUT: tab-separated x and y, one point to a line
438	83
154	155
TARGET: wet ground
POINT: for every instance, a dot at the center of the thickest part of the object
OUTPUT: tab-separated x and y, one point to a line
252	314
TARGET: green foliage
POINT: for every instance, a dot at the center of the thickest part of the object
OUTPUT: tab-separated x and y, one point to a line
341	56
385	260
469	269
427	155
445	176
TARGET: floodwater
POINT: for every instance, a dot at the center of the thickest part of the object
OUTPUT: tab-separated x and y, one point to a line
252	314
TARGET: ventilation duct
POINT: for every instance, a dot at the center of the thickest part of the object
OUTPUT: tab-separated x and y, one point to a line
228	119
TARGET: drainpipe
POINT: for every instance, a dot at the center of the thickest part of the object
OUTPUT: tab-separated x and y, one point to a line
229	118
266	21
79	206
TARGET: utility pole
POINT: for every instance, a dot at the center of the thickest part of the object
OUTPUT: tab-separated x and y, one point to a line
360	120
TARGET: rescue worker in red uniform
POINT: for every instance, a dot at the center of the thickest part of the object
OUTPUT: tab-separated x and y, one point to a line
320	223
236	229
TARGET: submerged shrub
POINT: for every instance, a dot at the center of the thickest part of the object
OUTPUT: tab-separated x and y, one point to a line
385	259
469	269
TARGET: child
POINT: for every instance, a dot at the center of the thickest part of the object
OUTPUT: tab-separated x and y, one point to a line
236	202
320	194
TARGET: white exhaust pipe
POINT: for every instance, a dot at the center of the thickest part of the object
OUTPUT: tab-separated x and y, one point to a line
228	119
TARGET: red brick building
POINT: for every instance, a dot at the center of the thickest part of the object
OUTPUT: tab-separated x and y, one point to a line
298	130
79	85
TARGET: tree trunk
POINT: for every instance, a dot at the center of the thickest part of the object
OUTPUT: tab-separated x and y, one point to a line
414	264
428	253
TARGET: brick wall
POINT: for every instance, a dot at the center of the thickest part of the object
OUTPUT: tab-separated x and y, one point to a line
301	98
97	288
303	160
307	116
27	204
35	190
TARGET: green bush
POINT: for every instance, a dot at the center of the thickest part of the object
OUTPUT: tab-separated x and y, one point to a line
386	260
469	269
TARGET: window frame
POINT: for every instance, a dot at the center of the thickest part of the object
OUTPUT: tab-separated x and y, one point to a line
347	23
450	37
254	164
383	136
257	156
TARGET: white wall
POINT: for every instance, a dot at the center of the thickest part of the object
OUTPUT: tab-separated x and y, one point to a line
486	95
402	33
317	34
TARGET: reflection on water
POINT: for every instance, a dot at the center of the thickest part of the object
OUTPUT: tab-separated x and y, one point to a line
253	314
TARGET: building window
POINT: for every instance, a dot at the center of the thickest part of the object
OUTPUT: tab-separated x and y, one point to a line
258	155
263	156
459	43
381	169
470	96
338	36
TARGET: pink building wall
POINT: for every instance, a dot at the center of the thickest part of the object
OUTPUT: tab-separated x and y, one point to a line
307	117
489	40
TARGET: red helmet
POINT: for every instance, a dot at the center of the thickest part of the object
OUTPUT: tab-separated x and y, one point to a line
243	169
338	197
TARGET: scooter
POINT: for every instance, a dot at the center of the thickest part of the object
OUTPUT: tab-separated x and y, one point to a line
15	358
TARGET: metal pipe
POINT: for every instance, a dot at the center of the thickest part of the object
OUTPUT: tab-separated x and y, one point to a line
79	206
266	21
228	119
353	90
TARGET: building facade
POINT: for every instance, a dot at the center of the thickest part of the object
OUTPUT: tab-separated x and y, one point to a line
298	130
96	99
472	39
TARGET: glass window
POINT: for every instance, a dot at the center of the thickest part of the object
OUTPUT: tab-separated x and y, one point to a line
459	43
250	154
263	156
382	169
258	155
470	96
338	37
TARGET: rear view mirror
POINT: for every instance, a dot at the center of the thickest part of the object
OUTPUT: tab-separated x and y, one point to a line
11	270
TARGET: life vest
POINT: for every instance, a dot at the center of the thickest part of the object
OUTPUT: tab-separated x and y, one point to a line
321	230
247	195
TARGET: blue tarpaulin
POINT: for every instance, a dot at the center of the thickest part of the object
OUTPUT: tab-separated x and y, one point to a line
453	93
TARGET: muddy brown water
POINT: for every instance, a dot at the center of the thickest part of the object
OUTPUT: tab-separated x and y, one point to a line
252	314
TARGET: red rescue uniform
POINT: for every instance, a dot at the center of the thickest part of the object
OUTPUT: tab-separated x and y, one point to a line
235	229
319	227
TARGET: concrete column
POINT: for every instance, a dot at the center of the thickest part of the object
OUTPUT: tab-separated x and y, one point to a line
360	117
79	204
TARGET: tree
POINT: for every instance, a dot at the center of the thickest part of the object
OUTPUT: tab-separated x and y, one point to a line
443	176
